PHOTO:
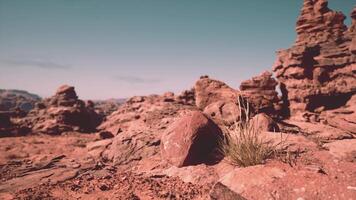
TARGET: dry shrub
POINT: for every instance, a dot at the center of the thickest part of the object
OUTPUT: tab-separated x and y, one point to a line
243	144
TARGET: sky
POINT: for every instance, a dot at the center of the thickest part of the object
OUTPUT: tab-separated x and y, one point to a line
122	48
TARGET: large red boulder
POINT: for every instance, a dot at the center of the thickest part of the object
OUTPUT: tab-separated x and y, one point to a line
192	139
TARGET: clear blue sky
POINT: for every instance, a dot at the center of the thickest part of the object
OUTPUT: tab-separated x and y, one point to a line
120	48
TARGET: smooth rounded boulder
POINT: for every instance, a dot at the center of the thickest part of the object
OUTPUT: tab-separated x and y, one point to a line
193	139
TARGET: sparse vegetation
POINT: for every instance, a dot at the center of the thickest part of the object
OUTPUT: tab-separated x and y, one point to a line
243	144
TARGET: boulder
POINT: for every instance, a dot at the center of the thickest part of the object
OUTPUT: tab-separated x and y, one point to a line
193	139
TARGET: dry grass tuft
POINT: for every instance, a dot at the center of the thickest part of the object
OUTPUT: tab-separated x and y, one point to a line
243	144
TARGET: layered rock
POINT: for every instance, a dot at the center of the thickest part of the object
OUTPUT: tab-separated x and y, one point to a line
63	112
260	92
193	139
318	24
17	100
318	72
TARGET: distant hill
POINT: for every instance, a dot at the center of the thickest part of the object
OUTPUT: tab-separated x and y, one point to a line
10	100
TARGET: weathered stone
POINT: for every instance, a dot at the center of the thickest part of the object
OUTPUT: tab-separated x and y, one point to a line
222	192
260	92
263	122
208	91
319	69
343	149
191	140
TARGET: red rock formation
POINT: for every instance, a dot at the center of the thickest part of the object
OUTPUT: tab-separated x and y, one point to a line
218	101
318	24
318	72
191	140
138	125
208	91
260	92
63	112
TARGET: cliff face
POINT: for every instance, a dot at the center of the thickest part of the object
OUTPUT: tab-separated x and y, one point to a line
319	71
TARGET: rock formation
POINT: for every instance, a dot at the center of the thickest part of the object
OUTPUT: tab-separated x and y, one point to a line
209	91
8	128
260	92
17	100
62	112
138	126
318	71
218	101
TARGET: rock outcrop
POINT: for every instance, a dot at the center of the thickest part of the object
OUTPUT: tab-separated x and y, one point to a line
138	126
209	91
193	139
17	100
318	71
8	128
260	92
219	101
62	112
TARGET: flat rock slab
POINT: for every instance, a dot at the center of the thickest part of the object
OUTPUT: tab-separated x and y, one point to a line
241	179
322	131
343	149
